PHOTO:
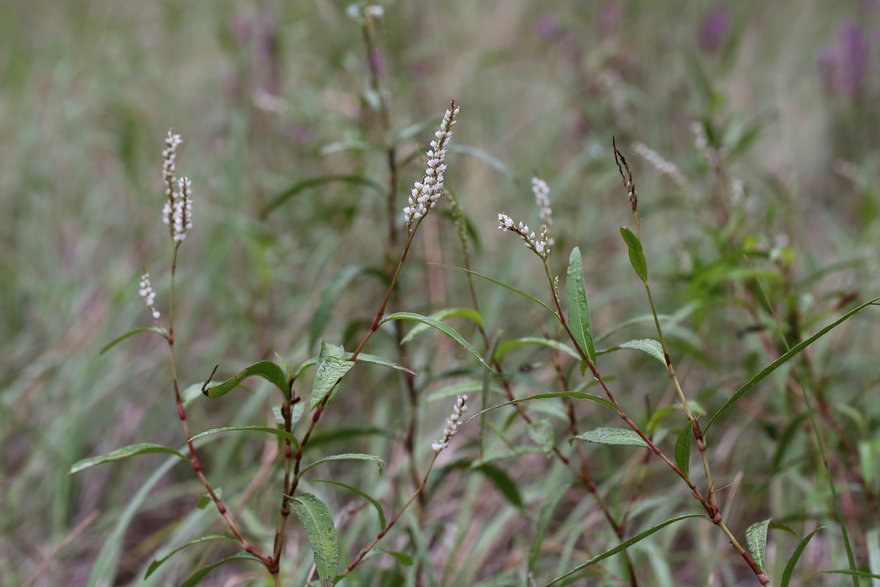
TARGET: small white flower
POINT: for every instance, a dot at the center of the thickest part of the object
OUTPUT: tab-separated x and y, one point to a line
426	192
145	290
169	156
541	246
665	167
452	424
542	199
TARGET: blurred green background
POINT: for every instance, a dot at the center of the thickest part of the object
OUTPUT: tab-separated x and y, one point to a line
267	94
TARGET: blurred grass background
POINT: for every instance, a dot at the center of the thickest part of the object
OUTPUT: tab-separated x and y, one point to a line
260	89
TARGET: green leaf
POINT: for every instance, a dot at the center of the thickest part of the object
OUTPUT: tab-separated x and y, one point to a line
649	346
443	315
795	556
318	524
624	545
375	360
578	308
197	577
636	255
456	389
301	186
864	574
329	297
401	557
545	516
160	561
508	346
683	450
332	366
756	538
122	453
502	284
380	512
618	436
502	482
793	351
160	331
444	328
380	464
571	394
280	433
265	369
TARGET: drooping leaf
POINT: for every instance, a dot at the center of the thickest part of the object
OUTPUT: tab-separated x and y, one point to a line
160	561
795	556
617	436
502	284
197	577
160	331
265	369
756	539
683	450
318	525
624	545
401	557
331	294
280	433
380	464
792	352
301	186
636	254
332	366
571	394
502	482
508	346
649	346
441	315
545	516
579	320
380	512
123	453
444	328
375	360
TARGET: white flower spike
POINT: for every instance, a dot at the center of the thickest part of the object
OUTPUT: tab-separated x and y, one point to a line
426	192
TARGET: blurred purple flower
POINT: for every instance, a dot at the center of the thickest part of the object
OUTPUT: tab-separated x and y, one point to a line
547	26
610	16
714	29
376	61
844	64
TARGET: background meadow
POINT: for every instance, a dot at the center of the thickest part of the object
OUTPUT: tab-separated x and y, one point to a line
763	231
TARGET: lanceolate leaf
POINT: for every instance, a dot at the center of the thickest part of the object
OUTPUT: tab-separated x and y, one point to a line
265	369
636	255
443	315
160	331
122	453
502	284
623	546
571	394
683	449
793	351
281	434
160	561
318	524
619	436
380	512
374	360
332	367
197	577
649	346
444	328
756	538
508	346
502	482
380	464
578	308
795	556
